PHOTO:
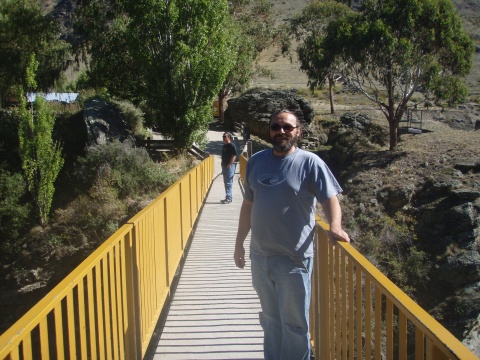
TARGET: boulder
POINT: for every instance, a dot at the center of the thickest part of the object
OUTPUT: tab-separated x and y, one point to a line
472	336
104	122
447	220
396	197
461	312
253	109
353	134
461	270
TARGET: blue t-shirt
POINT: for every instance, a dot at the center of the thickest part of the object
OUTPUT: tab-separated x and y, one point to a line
284	191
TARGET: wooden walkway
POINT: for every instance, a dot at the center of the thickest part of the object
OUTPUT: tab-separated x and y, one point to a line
214	312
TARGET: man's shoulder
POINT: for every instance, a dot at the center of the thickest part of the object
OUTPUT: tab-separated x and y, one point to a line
309	155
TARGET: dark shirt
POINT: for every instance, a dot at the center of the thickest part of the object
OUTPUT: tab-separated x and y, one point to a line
228	150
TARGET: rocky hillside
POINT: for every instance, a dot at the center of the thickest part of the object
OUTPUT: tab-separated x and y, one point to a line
430	186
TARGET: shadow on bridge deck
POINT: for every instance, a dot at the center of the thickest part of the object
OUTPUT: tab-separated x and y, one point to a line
214	312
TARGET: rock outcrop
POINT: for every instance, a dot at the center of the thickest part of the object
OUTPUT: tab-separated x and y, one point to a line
253	109
104	122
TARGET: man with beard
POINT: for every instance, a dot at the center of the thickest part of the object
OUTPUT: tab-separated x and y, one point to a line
281	189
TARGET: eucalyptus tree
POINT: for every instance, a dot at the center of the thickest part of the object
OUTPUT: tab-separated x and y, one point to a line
308	28
173	54
25	29
391	49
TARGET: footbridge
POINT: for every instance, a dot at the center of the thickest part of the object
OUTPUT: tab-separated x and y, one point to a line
165	286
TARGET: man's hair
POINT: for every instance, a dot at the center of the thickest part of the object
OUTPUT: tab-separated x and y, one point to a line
228	134
276	113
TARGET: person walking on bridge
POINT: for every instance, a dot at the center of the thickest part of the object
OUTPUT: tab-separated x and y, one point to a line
229	154
281	187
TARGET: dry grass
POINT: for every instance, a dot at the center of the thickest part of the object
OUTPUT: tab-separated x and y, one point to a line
285	70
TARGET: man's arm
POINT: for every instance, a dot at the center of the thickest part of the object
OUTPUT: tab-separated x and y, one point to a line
232	160
242	232
333	212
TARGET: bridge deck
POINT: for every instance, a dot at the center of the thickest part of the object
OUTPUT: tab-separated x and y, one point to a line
214	312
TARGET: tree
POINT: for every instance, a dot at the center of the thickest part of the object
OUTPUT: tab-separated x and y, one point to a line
253	30
188	52
178	51
391	49
41	156
309	28
25	30
102	29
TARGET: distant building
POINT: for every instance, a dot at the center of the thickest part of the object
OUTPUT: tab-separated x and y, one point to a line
66	98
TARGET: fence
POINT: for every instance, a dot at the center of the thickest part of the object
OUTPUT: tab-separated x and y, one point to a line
358	313
108	307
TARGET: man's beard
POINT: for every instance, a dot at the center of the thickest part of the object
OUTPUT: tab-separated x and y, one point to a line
283	144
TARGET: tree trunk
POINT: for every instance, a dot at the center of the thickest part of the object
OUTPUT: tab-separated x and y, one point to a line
331	82
221	98
393	129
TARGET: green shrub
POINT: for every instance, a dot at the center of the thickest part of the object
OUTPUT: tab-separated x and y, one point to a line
390	244
94	216
9	138
123	167
83	81
134	118
15	211
8	129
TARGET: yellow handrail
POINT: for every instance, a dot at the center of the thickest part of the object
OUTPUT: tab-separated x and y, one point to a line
358	313
107	308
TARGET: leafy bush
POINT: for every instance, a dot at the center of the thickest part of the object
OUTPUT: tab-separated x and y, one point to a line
9	138
127	169
88	215
116	181
15	211
390	245
71	132
134	117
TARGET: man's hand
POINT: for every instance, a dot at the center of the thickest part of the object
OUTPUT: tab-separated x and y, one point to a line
242	232
333	212
338	234
239	256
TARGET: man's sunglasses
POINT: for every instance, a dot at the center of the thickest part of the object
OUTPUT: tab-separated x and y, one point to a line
286	128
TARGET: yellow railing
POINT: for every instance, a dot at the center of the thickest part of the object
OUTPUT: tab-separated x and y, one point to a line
108	307
358	313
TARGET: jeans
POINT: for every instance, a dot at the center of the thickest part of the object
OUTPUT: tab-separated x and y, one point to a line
228	180
283	286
